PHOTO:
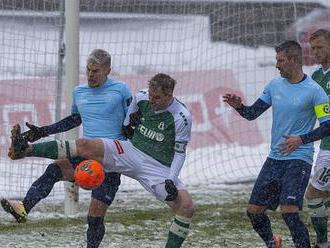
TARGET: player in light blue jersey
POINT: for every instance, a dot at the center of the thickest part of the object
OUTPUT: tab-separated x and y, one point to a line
100	106
297	101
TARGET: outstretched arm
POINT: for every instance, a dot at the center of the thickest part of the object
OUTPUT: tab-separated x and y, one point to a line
35	133
247	112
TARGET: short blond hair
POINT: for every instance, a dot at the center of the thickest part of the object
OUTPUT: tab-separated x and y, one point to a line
164	82
320	33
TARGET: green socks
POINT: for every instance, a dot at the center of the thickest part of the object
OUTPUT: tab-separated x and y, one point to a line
178	232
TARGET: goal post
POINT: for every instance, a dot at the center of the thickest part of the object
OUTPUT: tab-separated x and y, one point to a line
71	79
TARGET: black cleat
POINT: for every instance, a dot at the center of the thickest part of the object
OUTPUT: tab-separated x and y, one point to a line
18	143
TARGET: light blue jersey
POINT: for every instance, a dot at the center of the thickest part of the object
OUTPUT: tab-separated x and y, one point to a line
102	109
295	108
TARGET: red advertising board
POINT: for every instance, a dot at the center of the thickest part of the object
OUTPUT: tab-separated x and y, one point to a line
33	100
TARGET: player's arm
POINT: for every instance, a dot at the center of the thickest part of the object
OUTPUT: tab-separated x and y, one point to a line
247	112
318	133
36	133
132	119
182	137
71	121
176	166
127	98
322	112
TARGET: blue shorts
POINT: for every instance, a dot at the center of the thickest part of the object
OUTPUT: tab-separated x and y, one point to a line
281	182
106	192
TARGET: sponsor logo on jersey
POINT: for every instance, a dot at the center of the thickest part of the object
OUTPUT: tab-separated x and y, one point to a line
326	108
151	134
328	85
180	147
161	126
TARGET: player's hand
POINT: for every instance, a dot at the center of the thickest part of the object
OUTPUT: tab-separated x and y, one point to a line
35	133
135	119
233	100
127	131
172	191
290	144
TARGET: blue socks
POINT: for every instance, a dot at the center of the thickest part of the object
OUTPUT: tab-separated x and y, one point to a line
261	224
41	188
298	230
95	231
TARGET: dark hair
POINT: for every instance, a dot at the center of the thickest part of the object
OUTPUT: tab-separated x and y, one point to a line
320	33
292	49
163	81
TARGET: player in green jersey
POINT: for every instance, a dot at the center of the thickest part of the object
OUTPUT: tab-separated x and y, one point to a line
318	190
154	156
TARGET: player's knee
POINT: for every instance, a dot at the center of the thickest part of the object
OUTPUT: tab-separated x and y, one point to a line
54	171
82	147
291	219
187	208
255	209
98	207
316	207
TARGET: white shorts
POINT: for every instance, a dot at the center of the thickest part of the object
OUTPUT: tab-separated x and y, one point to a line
122	157
321	177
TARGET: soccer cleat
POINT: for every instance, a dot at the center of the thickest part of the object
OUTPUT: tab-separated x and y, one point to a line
276	242
15	208
18	143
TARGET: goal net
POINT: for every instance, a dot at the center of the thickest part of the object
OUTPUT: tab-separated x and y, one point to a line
209	47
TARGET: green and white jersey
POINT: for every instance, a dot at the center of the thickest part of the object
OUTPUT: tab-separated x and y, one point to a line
161	133
323	79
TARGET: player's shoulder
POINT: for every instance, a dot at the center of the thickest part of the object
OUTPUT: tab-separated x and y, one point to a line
311	82
142	94
276	80
315	69
116	83
81	87
180	110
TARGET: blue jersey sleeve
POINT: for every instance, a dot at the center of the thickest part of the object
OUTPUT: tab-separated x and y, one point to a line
266	94
74	108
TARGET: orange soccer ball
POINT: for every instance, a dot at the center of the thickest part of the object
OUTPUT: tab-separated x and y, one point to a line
89	174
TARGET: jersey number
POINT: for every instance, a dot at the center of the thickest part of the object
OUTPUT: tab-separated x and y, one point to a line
325	175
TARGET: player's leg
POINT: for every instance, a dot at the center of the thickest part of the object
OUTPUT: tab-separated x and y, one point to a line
40	189
102	198
265	194
294	183
317	204
183	208
56	149
318	197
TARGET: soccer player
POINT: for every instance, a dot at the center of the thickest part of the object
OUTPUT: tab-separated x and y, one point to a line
101	106
154	156
297	101
318	190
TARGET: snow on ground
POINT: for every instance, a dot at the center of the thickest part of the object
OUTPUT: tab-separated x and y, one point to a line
138	46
